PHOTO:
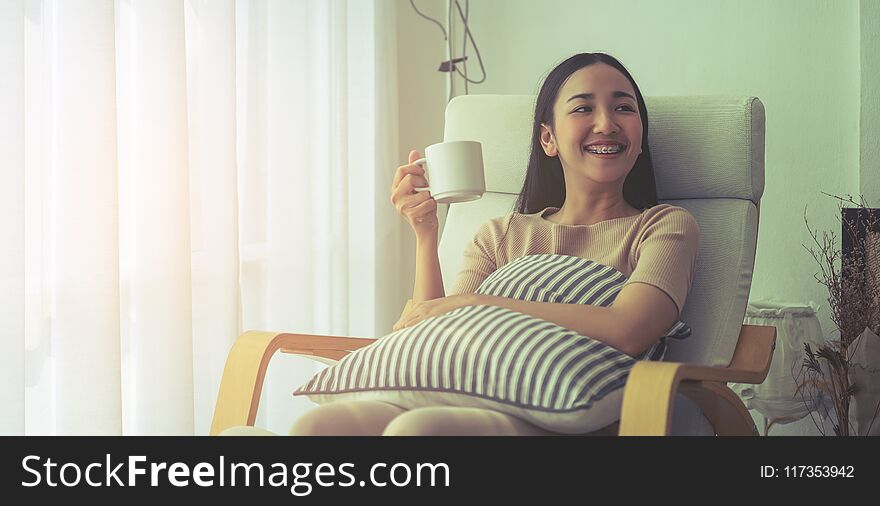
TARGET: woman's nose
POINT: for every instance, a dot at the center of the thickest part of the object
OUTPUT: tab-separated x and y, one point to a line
604	122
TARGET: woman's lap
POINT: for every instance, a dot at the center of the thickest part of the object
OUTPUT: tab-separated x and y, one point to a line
374	418
346	418
460	421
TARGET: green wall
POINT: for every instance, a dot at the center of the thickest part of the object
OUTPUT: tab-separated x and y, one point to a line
870	102
802	58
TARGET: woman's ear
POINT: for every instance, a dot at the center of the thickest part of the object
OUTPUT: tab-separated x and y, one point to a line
547	141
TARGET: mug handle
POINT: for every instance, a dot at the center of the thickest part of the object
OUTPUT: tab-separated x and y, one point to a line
422	161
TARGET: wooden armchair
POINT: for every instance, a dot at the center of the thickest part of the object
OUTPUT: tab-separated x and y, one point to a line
708	156
647	402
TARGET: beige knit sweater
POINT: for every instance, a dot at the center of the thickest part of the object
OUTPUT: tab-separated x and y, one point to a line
657	247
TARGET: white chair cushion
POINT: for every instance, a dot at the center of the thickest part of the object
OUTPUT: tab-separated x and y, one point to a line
708	155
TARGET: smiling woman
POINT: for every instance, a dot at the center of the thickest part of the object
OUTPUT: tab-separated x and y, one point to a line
599	206
588	194
589	99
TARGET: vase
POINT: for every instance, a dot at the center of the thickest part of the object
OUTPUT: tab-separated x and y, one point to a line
861	235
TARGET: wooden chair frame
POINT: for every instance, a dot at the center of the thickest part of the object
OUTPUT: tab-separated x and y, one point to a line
648	397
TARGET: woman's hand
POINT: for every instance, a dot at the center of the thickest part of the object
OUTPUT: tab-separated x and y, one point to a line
417	207
428	308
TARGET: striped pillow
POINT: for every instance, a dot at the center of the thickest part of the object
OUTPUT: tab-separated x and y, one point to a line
492	357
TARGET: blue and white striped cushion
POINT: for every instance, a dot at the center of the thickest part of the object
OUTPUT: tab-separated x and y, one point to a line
495	358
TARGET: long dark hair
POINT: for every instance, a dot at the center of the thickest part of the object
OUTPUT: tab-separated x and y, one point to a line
544	185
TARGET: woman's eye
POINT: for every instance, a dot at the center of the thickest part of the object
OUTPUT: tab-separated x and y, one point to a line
588	107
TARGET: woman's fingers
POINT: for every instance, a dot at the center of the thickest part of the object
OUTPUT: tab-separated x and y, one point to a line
405	189
409	205
412	199
418	207
413	181
406	319
410	168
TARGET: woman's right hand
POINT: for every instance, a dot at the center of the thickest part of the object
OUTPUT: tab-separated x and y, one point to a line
417	207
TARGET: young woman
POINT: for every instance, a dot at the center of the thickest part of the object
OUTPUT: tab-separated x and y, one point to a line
589	192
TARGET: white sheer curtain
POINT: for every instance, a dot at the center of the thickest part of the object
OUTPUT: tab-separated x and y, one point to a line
176	172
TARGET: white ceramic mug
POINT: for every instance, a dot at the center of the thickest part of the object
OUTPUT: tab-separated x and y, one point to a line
454	171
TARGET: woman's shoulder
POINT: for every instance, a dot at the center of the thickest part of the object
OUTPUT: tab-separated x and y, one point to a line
498	222
671	217
494	229
667	213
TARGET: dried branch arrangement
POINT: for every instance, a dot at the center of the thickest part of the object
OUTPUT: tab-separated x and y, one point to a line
854	300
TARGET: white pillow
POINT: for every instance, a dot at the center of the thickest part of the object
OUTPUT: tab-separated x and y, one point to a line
492	357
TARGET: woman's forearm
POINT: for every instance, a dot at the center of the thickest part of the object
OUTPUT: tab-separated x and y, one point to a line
429	280
600	323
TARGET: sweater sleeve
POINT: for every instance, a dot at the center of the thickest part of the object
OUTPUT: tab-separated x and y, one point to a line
480	256
666	254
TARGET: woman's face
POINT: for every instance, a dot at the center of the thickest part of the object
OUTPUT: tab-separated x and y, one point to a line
595	105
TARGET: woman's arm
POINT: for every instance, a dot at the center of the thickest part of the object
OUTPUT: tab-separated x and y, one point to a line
640	314
429	279
601	323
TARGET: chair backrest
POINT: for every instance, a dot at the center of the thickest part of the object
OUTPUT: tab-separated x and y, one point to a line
708	154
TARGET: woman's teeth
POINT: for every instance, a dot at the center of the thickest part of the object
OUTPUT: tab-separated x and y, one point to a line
603	150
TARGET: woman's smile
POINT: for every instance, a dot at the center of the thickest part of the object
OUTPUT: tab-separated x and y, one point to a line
604	156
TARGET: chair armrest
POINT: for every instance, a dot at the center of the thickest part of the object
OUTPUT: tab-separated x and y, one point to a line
651	388
246	364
